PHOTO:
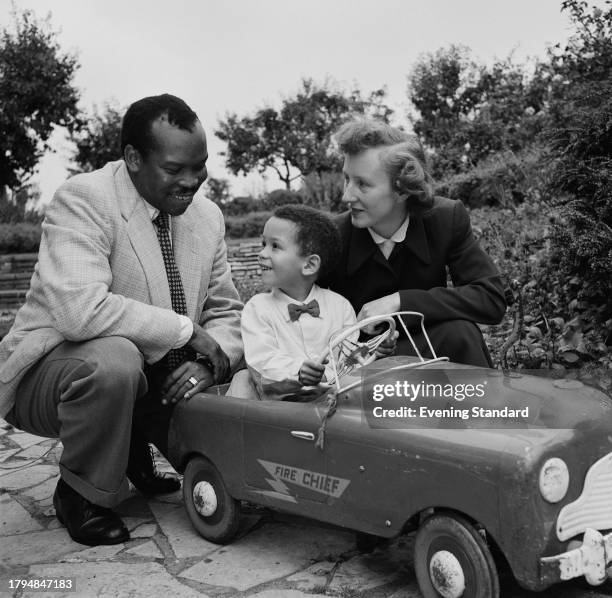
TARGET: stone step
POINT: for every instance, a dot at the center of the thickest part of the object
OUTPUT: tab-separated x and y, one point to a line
15	280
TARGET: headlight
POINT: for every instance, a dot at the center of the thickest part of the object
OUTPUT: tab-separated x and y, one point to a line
554	479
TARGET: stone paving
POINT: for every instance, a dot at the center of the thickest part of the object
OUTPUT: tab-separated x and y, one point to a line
275	556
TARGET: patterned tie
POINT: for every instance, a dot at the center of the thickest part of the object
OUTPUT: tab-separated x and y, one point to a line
297	309
174	357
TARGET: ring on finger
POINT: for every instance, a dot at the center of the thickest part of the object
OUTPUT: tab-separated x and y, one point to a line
192	380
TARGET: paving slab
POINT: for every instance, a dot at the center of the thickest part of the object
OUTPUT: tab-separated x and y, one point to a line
148	549
391	564
36	451
184	540
36	547
14	519
147	530
31	475
4	455
44	490
25	440
283	594
266	554
115	580
412	591
95	553
314	577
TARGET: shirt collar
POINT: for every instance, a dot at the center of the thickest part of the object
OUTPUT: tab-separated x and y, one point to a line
397	237
153	212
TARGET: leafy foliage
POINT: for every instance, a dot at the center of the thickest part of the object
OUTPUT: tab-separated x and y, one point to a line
217	190
580	138
246	225
503	179
295	140
20	237
467	111
561	329
36	94
19	206
324	191
280	197
99	140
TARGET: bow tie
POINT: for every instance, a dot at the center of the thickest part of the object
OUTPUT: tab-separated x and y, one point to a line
297	309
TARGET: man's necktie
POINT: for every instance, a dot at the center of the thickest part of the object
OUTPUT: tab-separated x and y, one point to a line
297	309
174	357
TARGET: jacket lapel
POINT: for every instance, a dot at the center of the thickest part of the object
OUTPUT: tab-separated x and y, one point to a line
361	249
143	238
416	239
362	246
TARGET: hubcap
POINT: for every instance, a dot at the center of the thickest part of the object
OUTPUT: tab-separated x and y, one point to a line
204	499
446	574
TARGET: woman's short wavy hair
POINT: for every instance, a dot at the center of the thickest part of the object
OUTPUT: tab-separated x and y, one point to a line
403	157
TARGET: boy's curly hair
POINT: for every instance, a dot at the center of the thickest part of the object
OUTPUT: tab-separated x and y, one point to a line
316	234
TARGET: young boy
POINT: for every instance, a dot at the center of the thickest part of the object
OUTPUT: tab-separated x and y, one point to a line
286	330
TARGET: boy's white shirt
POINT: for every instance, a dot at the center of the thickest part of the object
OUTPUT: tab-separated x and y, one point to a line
275	347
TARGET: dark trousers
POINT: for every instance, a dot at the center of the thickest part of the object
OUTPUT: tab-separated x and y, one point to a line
459	340
96	397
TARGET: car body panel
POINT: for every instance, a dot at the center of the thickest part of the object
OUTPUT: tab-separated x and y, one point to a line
377	480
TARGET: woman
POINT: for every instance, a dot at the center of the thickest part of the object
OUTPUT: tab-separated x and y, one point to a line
399	240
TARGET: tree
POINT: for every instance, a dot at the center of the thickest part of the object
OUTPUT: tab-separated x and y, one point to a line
36	94
21	207
217	190
98	141
468	111
295	140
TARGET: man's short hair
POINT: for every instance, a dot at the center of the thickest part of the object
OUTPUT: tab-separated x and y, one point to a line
403	157
316	234
136	126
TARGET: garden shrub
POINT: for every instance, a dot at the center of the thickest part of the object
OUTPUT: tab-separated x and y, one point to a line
23	237
241	205
249	225
561	329
581	177
504	179
281	197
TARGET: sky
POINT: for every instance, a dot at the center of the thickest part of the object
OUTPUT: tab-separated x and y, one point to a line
225	56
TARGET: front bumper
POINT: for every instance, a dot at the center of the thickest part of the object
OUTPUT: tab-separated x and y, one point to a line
590	559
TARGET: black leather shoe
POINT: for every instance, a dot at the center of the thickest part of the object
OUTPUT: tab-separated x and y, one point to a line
142	473
87	523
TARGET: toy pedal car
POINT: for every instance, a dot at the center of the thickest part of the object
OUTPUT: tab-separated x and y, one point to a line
536	493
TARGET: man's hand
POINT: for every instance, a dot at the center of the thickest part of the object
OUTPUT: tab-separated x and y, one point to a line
206	345
379	307
387	347
311	373
177	385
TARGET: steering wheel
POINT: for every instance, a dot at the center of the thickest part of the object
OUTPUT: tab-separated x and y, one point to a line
354	354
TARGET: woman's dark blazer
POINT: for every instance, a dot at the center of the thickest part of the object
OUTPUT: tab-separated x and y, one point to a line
437	239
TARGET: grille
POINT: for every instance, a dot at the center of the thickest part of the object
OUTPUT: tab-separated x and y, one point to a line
593	508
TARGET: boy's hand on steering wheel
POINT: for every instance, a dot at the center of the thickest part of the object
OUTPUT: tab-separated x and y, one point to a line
311	373
387	347
379	307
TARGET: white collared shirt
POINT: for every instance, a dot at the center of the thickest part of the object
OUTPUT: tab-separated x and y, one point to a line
387	245
275	347
186	323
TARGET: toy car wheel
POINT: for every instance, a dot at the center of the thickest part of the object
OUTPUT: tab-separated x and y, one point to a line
213	512
451	559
